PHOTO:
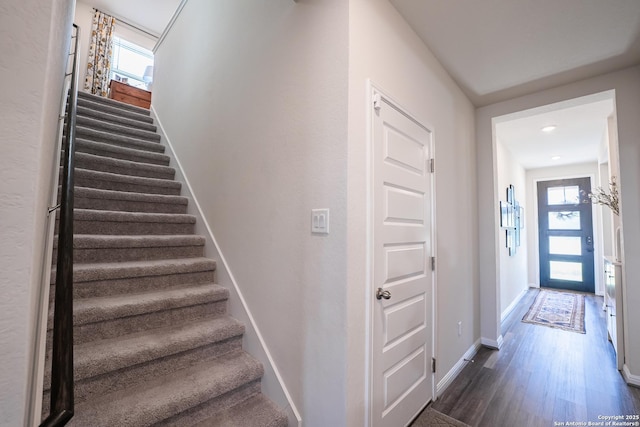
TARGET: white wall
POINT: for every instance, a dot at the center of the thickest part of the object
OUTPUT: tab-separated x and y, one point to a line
513	269
34	41
590	170
84	18
258	119
626	84
384	49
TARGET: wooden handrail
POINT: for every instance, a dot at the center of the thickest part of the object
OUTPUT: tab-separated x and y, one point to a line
61	409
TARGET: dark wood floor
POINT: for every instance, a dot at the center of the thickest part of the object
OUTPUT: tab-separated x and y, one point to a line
542	375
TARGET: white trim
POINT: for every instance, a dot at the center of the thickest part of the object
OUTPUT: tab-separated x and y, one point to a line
630	378
457	368
292	410
495	344
507	311
373	89
169	25
368	363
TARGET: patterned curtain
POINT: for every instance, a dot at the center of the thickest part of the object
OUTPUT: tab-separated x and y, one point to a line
99	65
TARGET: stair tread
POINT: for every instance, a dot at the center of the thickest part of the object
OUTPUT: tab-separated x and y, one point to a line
97	357
107	150
98	309
96	193
115	110
151	402
257	411
124	163
113	103
87	272
93	241
119	216
141	180
118	140
85	111
118	129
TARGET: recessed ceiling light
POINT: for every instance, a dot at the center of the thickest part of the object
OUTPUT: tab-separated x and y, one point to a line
549	128
555	158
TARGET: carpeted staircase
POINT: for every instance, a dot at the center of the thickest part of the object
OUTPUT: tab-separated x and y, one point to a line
153	343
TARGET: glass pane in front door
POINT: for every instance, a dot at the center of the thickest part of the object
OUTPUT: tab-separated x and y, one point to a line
559	220
563	195
565	245
563	270
566	234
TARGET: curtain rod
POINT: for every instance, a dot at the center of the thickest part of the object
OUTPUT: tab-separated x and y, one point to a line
119	20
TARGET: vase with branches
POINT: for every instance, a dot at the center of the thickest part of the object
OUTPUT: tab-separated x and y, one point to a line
610	198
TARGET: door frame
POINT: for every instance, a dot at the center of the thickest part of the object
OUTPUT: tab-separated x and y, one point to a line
596	224
374	90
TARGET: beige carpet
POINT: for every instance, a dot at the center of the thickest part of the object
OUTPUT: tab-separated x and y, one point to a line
153	341
561	310
432	418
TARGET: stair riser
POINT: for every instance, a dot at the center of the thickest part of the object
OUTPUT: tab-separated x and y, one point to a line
111	287
115	119
212	407
110	103
129	228
128	325
117	380
105	184
118	112
118	140
105	150
115	129
128	206
97	164
134	254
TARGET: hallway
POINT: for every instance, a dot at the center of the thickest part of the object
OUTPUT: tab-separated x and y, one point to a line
543	377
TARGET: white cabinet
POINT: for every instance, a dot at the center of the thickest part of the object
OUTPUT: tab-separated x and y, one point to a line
613	301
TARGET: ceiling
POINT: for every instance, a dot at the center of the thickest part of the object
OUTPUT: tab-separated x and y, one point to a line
151	16
577	138
500	49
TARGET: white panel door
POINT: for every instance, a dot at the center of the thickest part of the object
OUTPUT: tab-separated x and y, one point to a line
402	324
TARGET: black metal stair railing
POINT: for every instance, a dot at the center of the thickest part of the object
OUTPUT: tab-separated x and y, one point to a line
61	409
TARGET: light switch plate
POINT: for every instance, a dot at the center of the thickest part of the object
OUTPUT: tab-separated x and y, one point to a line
320	221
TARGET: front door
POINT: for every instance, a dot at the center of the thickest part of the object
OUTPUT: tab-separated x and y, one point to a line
402	381
566	234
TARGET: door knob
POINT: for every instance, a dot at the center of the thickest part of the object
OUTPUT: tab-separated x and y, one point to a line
380	293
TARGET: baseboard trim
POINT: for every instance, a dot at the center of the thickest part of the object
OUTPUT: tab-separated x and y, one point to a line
630	378
495	344
253	337
513	305
457	368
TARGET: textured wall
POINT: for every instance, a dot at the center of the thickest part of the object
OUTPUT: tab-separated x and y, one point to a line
513	269
253	97
34	40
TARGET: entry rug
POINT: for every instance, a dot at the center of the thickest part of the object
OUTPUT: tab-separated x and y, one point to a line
561	310
432	418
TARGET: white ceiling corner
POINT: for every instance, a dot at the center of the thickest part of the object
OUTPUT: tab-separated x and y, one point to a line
499	49
152	16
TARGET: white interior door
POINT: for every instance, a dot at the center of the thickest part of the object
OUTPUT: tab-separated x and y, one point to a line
402	381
